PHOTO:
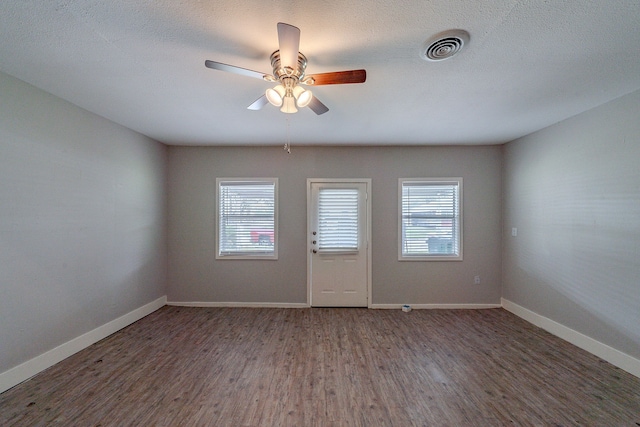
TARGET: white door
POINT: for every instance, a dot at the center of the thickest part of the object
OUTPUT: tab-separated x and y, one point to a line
338	243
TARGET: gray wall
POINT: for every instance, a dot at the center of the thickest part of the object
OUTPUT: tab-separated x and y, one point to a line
196	276
82	221
573	192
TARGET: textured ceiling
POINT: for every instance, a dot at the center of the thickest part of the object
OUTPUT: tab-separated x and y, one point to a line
140	63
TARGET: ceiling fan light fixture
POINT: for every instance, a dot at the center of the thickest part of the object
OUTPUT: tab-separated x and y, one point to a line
289	105
275	95
302	96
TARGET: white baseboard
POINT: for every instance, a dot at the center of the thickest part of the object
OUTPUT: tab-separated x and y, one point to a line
238	304
436	306
26	370
603	351
304	305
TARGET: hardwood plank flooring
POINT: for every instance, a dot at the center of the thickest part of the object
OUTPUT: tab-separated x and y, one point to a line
327	367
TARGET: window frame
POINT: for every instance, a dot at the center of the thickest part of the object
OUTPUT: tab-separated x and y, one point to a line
273	255
425	256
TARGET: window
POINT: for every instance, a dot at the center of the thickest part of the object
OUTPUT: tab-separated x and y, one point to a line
430	219
338	219
247	218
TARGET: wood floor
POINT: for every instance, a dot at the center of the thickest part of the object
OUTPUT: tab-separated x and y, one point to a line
327	367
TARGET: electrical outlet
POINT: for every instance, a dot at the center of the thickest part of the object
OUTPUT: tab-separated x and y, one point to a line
476	280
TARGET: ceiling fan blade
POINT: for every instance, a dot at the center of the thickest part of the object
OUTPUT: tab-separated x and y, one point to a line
317	106
338	77
233	69
289	41
258	103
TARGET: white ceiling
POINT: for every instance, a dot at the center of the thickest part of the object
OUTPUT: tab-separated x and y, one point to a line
140	63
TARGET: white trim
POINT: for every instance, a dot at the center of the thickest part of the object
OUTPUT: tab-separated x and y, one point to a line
26	370
603	351
436	306
238	304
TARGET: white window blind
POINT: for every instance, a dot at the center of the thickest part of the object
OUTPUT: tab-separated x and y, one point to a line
247	218
338	219
430	219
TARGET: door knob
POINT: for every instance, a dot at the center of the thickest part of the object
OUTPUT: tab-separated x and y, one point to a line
314	233
314	242
315	252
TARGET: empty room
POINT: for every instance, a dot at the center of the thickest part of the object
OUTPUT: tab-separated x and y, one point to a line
369	213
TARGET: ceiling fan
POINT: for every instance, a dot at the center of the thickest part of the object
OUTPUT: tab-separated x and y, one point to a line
289	65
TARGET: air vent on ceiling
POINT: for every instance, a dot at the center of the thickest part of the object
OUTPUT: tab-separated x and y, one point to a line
445	45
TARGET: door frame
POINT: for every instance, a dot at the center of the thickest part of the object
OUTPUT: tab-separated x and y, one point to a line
367	183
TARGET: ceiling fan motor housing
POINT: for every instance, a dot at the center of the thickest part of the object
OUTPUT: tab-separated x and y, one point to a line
281	72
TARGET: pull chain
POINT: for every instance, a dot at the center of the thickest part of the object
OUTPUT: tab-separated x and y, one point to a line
287	145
